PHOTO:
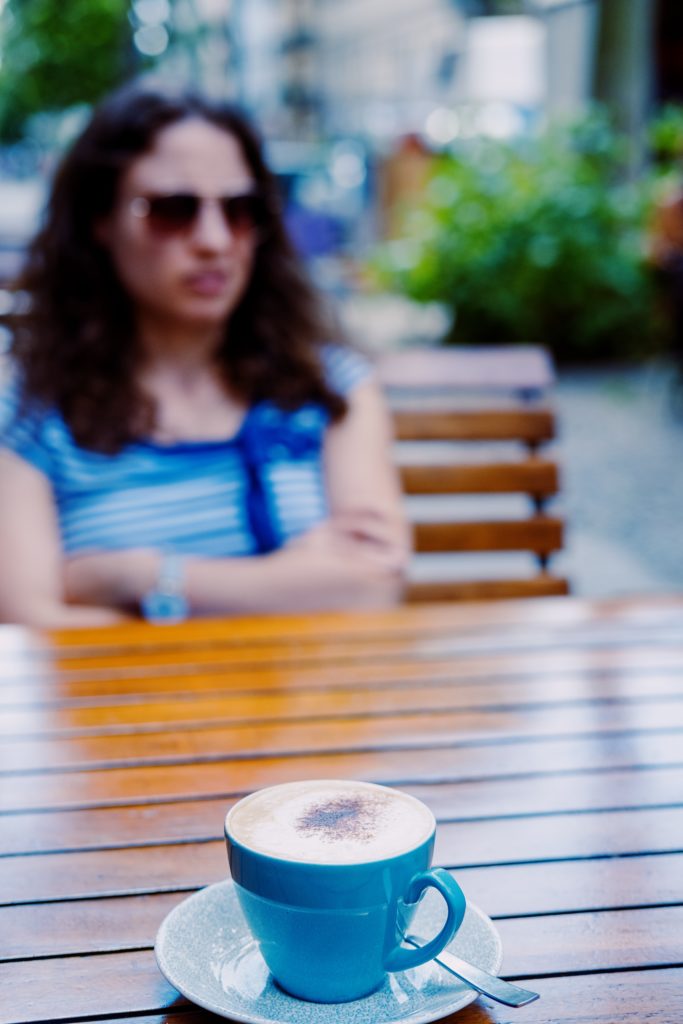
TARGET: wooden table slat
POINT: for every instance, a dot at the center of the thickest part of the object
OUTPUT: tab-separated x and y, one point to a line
178	677
486	798
408	643
508	614
236	776
156	743
128	922
66	704
485	685
190	865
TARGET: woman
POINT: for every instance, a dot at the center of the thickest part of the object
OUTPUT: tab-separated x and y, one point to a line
182	436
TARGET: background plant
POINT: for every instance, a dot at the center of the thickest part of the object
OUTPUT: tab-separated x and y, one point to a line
57	54
665	137
538	241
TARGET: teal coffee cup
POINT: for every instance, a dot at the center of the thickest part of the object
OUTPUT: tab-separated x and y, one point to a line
328	874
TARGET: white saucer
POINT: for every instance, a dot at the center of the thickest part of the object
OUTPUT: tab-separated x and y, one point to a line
206	951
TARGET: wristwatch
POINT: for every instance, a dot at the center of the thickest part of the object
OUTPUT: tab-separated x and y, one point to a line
166	603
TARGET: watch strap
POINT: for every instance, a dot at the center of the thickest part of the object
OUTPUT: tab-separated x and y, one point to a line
166	602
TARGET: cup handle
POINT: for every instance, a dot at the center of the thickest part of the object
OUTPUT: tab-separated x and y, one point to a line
401	958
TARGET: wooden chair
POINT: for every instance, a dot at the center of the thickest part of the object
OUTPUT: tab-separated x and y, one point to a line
523	372
479	449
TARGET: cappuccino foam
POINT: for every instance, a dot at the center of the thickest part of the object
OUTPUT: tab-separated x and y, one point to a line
330	822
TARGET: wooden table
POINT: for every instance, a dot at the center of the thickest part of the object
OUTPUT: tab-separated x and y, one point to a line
546	735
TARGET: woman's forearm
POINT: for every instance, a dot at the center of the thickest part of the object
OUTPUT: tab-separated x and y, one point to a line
56	615
283	582
328	568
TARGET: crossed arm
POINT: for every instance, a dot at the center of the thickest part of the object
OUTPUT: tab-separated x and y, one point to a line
355	558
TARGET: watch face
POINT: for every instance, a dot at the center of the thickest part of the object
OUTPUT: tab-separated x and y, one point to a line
168	608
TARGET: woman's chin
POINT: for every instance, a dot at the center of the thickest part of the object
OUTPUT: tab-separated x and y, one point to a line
205	311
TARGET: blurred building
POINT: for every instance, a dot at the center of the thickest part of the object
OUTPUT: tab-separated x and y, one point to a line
384	65
379	68
278	43
343	67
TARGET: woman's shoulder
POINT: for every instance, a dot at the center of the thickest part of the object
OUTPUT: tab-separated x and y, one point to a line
12	404
344	367
27	427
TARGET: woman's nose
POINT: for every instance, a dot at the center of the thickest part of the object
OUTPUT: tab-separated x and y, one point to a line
211	229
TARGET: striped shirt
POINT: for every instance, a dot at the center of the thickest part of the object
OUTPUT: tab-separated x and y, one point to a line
225	498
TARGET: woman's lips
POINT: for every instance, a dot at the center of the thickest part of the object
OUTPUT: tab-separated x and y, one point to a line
207	282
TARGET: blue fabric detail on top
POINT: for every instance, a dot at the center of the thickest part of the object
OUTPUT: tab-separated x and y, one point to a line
269	436
226	498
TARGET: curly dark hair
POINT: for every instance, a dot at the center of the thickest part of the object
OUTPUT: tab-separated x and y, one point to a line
76	347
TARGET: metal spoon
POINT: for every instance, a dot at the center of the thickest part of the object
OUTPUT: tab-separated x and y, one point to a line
481	981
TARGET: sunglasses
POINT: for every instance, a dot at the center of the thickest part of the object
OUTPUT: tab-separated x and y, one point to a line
244	214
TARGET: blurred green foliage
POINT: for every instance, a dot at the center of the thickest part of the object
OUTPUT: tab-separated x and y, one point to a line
59	53
541	240
666	137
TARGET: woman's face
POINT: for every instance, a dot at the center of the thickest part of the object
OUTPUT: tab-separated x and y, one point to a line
196	274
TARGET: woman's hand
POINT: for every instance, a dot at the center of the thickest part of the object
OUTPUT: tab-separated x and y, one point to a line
115	579
382	537
356	532
354	559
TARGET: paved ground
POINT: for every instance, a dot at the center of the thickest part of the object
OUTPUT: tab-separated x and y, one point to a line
621	447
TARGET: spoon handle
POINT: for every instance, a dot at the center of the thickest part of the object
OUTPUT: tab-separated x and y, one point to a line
487	984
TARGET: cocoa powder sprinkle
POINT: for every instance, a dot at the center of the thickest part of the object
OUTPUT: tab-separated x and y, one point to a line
346	817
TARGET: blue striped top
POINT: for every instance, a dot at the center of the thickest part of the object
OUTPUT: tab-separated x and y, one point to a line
225	498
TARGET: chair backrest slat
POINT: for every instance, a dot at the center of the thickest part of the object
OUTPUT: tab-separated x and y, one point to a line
540	534
534	476
531	426
541	585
